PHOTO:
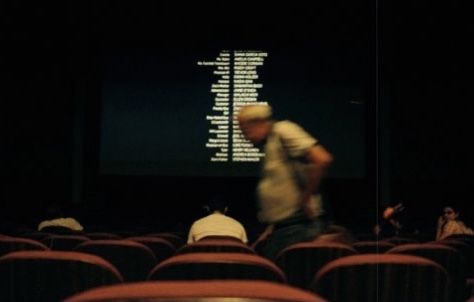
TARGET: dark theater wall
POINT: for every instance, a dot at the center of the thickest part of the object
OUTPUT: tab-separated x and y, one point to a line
39	78
427	78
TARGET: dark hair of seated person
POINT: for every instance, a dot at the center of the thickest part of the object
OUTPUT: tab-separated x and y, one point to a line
217	203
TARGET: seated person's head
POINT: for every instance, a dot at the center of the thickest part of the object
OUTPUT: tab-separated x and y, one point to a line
217	204
391	210
450	213
54	211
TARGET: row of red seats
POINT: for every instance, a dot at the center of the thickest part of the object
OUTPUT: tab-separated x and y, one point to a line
196	266
44	275
146	246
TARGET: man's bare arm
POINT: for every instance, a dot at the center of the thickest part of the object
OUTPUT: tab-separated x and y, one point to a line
320	160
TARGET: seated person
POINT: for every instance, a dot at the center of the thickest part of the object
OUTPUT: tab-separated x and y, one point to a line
217	224
389	223
55	221
449	224
395	220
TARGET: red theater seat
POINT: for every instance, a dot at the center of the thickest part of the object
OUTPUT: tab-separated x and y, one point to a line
162	248
63	242
400	240
201	266
134	260
449	258
175	239
382	278
12	244
197	291
465	248
35	235
372	247
102	236
52	275
301	261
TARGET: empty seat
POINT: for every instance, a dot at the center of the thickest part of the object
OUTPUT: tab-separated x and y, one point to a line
465	248
133	259
12	244
63	242
51	275
175	239
161	248
366	237
301	261
449	258
372	247
102	235
382	278
469	239
197	291
400	240
200	266
35	235
422	237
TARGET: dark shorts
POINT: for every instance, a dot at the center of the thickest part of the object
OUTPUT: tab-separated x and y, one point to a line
297	228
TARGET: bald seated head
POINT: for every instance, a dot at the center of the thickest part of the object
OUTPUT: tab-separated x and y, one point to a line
255	122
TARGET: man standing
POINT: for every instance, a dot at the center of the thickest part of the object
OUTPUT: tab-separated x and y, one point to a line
292	169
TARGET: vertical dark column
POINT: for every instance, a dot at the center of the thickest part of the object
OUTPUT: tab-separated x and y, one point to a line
79	68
